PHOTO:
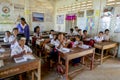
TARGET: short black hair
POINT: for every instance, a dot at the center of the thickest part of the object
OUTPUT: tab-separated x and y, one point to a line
84	31
52	30
79	30
23	19
106	30
71	29
19	36
15	29
36	28
7	32
101	32
76	27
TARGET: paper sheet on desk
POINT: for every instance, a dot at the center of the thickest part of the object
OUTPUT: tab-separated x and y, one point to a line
64	50
23	58
84	46
2	50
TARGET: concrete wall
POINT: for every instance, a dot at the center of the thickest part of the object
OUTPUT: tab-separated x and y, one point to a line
40	6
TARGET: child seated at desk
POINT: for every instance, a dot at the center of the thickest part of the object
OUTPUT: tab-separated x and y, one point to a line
51	36
13	38
37	34
76	43
71	32
76	31
87	40
21	49
7	37
106	35
99	38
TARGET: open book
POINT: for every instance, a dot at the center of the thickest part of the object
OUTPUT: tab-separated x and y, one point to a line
24	58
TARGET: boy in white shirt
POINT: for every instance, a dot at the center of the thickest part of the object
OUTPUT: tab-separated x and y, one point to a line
106	35
52	32
71	33
7	37
76	31
99	38
13	40
21	49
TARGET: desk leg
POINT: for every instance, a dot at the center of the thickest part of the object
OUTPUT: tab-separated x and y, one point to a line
20	77
115	52
101	60
39	70
92	61
83	60
33	75
67	68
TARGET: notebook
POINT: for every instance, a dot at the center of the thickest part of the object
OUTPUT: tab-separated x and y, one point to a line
24	58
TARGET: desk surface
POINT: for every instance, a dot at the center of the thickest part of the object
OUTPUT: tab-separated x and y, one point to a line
105	45
77	52
11	68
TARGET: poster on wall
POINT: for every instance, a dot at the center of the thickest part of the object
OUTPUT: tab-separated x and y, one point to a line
60	19
90	23
81	22
6	15
37	17
90	12
117	28
106	17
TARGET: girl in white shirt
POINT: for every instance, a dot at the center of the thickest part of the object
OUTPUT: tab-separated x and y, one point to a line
37	34
99	38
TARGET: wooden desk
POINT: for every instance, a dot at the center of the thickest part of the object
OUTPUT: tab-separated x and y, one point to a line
11	68
104	46
77	52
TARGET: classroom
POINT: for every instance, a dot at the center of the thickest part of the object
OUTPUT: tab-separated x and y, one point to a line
59	39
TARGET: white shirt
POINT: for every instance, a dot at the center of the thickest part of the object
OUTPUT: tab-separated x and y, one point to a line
70	34
98	39
23	26
106	37
75	33
7	39
51	36
55	42
18	50
37	35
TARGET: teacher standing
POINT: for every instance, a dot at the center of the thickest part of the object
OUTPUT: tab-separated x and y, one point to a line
23	28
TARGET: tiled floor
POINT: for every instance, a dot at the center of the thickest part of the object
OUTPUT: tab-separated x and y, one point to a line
109	70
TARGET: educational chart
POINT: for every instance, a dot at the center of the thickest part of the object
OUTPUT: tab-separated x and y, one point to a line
90	23
6	11
81	22
60	19
106	18
117	21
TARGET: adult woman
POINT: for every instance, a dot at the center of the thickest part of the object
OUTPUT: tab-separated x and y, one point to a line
23	28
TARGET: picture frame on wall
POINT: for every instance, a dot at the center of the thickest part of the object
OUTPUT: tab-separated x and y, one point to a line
37	17
90	12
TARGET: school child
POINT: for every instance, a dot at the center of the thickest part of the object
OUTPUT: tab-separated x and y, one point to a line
7	37
106	35
21	49
99	38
